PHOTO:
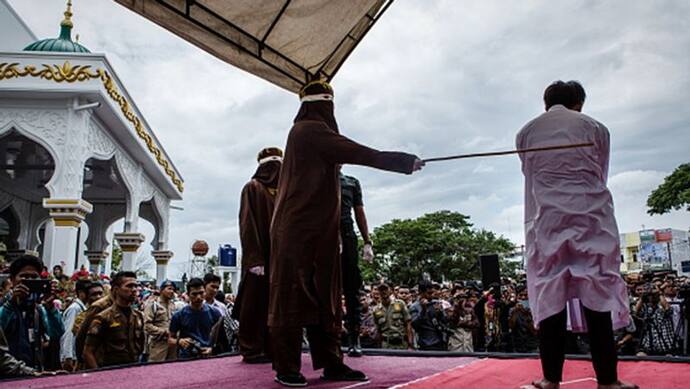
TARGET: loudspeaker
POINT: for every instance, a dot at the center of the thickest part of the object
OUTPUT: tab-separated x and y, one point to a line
488	265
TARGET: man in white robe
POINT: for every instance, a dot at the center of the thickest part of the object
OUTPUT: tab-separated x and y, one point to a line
571	235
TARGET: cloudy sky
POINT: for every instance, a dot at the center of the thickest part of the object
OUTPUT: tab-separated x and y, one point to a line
433	77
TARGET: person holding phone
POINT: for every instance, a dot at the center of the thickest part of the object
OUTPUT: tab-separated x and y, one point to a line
29	317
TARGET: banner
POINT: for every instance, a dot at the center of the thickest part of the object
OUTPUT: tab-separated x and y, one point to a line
665	235
655	255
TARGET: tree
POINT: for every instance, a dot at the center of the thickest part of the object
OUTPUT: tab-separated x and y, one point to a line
211	262
117	256
442	243
673	193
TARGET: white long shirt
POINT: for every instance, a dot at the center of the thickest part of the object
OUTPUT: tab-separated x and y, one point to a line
67	346
571	236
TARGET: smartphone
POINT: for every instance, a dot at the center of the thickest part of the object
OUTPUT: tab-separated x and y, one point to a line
37	286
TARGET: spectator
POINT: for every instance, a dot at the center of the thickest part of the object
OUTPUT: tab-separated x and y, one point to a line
67	347
368	334
190	328
393	321
211	288
83	323
626	339
670	291
523	334
157	315
463	321
428	320
25	335
9	365
119	330
657	323
404	295
5	288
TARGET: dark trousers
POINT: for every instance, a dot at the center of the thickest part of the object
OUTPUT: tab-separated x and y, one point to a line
352	280
253	316
286	345
552	337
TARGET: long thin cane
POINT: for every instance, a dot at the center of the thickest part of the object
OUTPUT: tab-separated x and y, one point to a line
518	151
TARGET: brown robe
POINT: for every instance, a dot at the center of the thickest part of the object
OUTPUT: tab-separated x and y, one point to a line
305	263
256	211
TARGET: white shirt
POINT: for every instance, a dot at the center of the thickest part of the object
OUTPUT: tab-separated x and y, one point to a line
67	346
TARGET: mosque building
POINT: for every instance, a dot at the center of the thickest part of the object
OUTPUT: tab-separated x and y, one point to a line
76	155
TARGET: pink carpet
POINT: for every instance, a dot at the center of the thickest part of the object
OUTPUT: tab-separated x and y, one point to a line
513	373
230	372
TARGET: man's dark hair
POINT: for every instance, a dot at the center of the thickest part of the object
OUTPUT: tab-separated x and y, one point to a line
94	284
120	276
569	94
210	277
195	283
24	261
220	296
382	287
82	286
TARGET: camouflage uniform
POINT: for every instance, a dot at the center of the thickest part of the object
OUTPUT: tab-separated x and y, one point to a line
121	339
391	323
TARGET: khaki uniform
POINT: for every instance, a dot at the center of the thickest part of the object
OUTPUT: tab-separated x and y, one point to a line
82	324
120	339
391	323
156	325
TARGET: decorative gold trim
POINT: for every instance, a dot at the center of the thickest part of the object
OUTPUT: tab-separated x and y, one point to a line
129	248
60	202
66	222
70	74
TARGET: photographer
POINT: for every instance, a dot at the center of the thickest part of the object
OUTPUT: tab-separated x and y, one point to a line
29	318
463	321
657	326
191	327
428	319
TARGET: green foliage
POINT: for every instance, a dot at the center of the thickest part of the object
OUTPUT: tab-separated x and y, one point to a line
211	262
117	256
442	243
673	193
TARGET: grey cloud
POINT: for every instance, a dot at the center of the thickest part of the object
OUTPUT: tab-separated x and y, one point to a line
432	78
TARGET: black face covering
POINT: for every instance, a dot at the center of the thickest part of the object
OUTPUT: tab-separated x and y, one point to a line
321	111
268	174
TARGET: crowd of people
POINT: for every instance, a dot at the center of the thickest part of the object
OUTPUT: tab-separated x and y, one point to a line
53	323
464	317
89	321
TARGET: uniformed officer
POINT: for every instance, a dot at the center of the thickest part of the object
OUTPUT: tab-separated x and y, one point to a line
351	199
157	316
119	330
393	321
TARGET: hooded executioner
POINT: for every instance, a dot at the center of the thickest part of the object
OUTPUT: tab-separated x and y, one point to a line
305	273
256	211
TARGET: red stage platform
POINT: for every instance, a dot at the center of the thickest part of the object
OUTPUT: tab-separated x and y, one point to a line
411	371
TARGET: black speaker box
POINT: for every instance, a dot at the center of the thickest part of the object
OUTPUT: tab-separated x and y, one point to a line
488	265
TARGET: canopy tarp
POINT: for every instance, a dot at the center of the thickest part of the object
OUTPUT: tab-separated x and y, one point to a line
288	43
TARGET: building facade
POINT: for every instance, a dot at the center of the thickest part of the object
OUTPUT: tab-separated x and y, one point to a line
76	155
660	249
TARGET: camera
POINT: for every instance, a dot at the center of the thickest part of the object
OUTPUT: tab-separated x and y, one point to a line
37	286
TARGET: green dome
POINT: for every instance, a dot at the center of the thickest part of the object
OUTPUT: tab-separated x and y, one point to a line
63	43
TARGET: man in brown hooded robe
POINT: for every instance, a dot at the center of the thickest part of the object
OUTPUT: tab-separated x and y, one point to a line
256	211
305	274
